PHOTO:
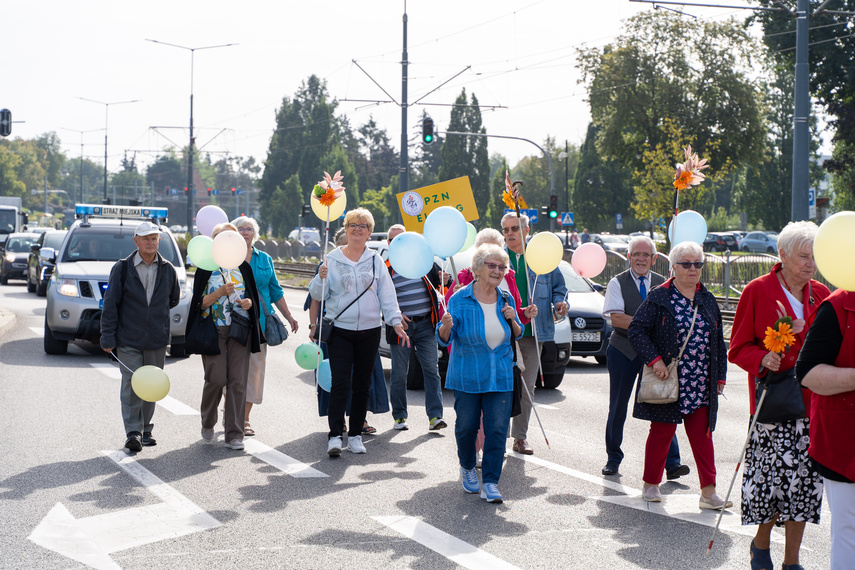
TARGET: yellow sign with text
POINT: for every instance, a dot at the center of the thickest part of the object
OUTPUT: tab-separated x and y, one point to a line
416	204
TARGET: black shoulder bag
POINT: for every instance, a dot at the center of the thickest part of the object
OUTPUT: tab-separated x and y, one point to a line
783	400
327	323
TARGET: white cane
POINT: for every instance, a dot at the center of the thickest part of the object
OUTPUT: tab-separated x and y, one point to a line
323	295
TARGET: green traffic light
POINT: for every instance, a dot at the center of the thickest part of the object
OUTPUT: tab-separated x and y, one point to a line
428	138
553	214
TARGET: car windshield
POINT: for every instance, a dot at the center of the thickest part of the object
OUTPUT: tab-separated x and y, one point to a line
574	283
54	239
20	244
110	244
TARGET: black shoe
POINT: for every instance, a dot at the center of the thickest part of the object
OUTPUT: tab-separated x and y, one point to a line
133	443
677	472
611	468
147	440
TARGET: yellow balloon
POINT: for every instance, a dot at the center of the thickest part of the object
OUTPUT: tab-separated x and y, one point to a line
150	383
834	244
544	253
336	210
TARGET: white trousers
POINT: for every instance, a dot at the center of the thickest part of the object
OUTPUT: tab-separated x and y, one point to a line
841	501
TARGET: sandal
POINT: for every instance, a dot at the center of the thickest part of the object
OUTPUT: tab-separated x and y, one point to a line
247	430
368	430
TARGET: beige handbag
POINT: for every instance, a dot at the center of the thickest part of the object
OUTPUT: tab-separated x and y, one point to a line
654	390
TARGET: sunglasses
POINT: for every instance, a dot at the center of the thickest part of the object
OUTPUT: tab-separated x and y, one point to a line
495	266
358	226
510	229
690	264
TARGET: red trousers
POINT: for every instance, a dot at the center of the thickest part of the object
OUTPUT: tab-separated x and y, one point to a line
659	440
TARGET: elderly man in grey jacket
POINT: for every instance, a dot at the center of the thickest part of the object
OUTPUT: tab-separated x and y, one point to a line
135	324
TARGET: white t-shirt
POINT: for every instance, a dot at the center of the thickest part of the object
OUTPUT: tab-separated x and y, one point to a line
494	332
798	306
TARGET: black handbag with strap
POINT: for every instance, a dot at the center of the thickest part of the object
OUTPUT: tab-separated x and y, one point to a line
783	401
201	336
274	331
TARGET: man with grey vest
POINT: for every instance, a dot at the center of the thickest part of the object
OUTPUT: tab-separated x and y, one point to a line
624	295
417	299
135	324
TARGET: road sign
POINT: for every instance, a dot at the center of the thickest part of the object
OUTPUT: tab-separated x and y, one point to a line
812	203
619	221
567	218
530	212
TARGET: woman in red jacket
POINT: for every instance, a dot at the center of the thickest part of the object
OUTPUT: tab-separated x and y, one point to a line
779	485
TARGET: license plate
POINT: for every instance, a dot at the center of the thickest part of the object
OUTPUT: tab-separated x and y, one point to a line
586	337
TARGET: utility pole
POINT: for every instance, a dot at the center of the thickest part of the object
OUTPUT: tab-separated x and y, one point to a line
404	168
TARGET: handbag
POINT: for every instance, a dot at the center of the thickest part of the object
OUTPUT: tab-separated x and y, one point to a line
327	323
516	396
201	336
783	399
654	390
274	331
239	326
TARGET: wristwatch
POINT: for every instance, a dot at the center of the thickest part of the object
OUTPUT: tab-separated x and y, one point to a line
313	326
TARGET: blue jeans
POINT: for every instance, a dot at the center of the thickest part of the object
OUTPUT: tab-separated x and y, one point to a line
423	338
622	375
496	407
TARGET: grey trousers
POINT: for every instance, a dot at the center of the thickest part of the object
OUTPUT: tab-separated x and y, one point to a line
530	353
136	412
229	370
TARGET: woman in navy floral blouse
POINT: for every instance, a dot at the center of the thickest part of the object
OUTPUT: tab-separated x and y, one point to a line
657	332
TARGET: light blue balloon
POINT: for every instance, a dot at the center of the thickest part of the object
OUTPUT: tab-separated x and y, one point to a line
691	226
325	375
445	231
410	255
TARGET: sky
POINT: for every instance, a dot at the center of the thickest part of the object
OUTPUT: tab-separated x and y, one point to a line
517	56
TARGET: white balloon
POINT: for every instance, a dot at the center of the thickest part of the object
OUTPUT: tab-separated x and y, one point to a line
335	211
228	250
208	217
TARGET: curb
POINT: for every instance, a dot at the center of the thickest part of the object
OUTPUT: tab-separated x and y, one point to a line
7	321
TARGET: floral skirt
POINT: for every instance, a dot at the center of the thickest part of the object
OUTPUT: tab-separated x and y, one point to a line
778	475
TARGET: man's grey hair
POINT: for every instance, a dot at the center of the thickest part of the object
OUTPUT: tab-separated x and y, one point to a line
523	219
685	249
640	242
243	221
796	235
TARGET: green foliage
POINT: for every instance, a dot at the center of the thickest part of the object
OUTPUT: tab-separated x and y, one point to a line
166	172
9	163
693	73
281	213
426	161
721	221
465	155
492	218
601	189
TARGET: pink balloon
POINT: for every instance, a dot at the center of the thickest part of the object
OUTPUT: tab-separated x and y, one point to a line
589	260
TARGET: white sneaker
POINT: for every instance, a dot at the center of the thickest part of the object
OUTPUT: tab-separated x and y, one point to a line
355	444
334	446
235	444
208	435
401	424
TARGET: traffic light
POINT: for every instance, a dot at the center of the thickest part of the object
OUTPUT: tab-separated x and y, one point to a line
307	209
5	122
234	192
209	191
427	130
553	207
544	212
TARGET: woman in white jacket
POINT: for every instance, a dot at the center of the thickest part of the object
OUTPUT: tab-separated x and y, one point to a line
357	288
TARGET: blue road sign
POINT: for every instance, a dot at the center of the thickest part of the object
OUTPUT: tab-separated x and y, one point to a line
567	218
530	212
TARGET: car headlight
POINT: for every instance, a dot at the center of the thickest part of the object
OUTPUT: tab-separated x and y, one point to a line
68	287
184	289
10	257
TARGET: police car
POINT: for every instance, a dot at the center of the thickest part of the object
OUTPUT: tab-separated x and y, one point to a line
100	236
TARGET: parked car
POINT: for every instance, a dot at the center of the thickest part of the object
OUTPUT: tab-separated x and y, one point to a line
99	237
738	236
305	235
13	264
42	259
762	242
611	243
720	241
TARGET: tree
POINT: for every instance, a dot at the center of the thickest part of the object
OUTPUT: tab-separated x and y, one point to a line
535	174
9	162
695	74
166	172
283	214
492	218
380	158
464	155
426	164
601	189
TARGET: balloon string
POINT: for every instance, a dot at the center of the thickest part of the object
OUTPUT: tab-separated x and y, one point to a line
113	354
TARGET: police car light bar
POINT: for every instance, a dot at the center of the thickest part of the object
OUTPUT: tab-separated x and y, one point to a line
120	211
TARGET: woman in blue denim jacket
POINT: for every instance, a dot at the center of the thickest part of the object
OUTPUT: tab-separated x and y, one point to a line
480	367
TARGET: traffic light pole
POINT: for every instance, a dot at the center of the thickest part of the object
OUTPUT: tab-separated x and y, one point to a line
546	154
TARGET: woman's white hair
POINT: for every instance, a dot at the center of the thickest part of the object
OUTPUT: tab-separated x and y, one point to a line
685	249
489	235
796	235
243	221
485	252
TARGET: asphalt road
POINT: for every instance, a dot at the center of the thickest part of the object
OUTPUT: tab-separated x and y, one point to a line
70	499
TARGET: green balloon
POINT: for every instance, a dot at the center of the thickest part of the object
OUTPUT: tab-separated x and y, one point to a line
199	250
470	237
307	355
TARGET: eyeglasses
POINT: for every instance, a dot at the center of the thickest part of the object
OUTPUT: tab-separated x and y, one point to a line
246	230
640	254
690	264
358	226
510	229
495	266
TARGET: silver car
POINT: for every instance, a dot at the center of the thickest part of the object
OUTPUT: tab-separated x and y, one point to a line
760	242
75	293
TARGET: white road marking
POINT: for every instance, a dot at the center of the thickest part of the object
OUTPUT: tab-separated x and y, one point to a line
170	404
40	331
279	460
108	369
454	549
574	473
90	540
545	406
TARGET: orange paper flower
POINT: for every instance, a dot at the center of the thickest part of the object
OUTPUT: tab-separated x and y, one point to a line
779	337
689	173
327	198
511	196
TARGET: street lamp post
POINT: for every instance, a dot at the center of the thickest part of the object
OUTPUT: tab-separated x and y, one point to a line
106	120
81	156
191	206
565	155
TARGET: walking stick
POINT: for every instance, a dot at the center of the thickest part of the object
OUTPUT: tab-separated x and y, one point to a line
323	295
738	464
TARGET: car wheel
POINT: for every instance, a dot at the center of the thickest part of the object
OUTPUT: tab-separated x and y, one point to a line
601	360
770	249
53	345
41	289
745	248
177	350
552	380
31	287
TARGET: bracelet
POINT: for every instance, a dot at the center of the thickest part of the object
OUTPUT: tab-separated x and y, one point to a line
312	326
